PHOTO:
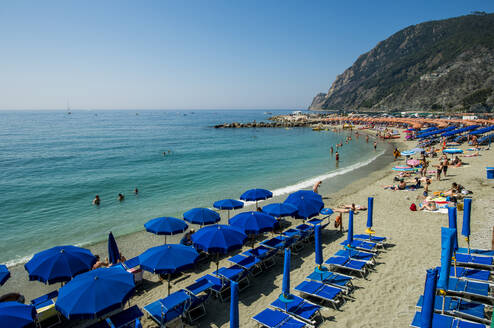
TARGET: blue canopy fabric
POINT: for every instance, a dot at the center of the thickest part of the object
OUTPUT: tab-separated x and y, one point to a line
4	274
202	216
482	130
16	315
256	194
318	245
308	203
165	226
59	264
253	222
228	204
407	152
429	296
113	253
349	239
370	208
460	130
447	236
92	294
234	314
218	238
452	151
285	288
279	209
467	210
170	258
452	220
429	134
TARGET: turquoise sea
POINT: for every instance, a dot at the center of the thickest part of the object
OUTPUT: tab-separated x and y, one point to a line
53	164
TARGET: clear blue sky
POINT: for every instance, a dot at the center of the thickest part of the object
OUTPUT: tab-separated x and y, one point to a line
192	54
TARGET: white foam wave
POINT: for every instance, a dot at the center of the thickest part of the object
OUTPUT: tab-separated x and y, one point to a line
310	182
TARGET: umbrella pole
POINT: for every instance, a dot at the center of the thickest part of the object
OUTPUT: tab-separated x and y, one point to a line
228	214
454	262
444	301
468	244
165	239
217	261
169	278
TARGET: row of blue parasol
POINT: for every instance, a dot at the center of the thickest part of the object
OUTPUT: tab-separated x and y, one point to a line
113	286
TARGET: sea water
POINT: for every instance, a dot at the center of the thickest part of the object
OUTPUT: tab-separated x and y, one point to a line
53	164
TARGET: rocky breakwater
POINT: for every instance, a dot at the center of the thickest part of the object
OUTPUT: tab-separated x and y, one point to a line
276	124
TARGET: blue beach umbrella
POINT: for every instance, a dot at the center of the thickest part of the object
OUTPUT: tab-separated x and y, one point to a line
113	253
429	296
92	294
253	222
59	264
228	204
447	237
168	259
4	274
407	152
465	229
256	195
279	209
285	287
308	203
370	209
201	216
165	226
482	130
453	225
16	315
218	238
318	245
349	239
234	315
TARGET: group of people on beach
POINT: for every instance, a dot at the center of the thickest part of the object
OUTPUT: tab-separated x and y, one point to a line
120	197
104	264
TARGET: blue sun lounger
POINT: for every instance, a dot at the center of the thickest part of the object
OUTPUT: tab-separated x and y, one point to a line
458	308
325	293
368	258
347	264
220	287
337	280
470	290
476	252
276	319
299	308
278	243
470	274
248	262
479	262
266	255
125	319
442	321
297	237
199	293
362	246
169	309
370	238
234	273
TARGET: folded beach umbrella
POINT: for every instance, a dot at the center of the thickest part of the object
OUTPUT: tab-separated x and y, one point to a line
92	294
452	220
308	203
279	209
318	246
113	253
285	287
168	259
234	314
256	195
59	264
349	239
228	204
370	209
465	229
218	238
4	274
429	296
165	226
253	222
447	236
16	315
202	216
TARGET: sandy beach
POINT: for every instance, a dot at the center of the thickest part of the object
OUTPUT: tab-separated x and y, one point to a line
387	296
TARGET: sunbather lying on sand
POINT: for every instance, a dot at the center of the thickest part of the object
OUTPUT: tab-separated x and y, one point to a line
428	204
353	207
400	186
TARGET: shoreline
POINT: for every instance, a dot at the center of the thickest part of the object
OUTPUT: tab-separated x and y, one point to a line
134	243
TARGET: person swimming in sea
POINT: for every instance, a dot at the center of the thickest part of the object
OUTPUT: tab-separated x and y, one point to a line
120	197
136	191
96	200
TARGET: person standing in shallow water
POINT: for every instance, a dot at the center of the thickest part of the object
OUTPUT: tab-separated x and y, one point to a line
375	145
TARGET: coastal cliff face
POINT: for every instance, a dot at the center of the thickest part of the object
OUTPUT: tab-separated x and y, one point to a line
445	65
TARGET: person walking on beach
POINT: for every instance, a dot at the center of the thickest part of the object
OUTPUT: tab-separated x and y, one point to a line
96	200
316	186
445	166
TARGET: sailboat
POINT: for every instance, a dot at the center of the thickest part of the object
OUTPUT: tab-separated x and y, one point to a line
68	108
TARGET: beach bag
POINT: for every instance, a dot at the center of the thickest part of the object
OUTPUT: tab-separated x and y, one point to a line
413	207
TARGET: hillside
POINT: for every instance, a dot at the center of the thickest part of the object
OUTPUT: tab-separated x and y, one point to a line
439	65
